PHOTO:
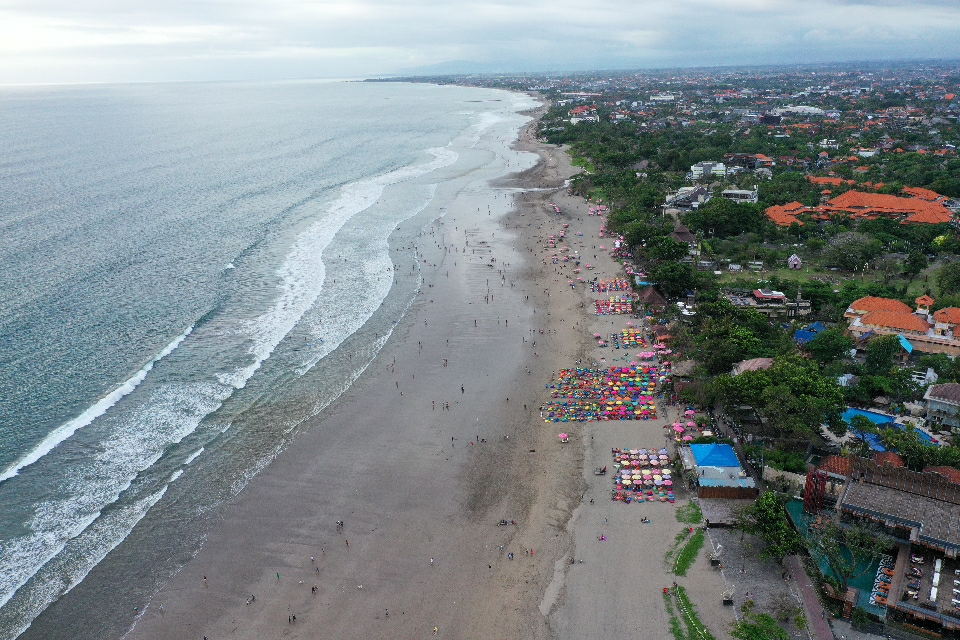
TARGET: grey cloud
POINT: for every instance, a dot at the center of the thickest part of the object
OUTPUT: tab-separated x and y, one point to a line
56	40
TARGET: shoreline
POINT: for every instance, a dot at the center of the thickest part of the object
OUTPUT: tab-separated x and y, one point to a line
430	509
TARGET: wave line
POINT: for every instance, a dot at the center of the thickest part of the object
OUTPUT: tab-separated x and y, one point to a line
93	412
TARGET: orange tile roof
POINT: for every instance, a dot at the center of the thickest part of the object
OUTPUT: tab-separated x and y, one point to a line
872	303
786	214
824	180
923	194
949	315
912	210
924	301
951	474
929	217
837	465
888	457
894	320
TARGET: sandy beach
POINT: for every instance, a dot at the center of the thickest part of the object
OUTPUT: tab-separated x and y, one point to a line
436	443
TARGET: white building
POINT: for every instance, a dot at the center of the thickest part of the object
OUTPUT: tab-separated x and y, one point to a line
741	196
708	169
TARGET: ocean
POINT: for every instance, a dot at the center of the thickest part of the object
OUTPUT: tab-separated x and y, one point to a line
190	272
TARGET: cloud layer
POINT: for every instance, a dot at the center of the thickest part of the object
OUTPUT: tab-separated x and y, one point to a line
122	40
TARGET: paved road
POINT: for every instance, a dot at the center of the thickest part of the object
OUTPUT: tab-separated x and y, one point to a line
819	627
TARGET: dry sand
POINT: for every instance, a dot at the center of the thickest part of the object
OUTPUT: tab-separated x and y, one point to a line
420	509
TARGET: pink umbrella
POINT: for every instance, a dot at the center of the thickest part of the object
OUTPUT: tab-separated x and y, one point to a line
679	429
687	438
691	424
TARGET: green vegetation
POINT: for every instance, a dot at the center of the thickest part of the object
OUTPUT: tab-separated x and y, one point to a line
689	554
689	513
676	629
696	630
767	519
759	626
847	551
793	397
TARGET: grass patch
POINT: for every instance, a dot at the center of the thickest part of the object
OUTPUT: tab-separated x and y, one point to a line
677	541
577	161
689	513
688	555
676	629
695	629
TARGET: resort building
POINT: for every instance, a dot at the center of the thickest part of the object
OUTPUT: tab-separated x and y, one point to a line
938	332
717	472
773	304
708	169
741	196
868	206
943	406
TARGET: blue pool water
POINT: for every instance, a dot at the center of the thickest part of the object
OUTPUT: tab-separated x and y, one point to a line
888	422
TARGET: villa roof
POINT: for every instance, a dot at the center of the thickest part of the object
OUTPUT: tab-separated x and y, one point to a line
949	392
949	315
786	214
870	205
754	364
837	465
888	457
894	320
924	301
923	194
951	474
872	303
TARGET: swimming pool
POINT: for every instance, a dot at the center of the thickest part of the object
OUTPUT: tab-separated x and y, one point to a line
872	416
885	421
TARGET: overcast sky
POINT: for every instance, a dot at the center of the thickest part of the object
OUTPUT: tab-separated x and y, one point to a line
123	40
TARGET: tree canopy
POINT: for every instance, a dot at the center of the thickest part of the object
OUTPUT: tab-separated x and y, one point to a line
793	396
724	218
767	519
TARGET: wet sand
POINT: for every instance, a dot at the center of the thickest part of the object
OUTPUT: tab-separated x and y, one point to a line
420	496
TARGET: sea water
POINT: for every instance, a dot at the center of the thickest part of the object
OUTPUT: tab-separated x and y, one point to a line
189	273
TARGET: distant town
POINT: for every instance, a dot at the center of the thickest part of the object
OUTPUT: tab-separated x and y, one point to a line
792	234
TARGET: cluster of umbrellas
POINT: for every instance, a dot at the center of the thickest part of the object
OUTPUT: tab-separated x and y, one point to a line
642	474
617	393
628	338
617	284
616	305
598	210
555	207
679	429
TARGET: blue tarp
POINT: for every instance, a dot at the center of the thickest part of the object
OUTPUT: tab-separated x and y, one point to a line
714	455
905	344
817	327
802	336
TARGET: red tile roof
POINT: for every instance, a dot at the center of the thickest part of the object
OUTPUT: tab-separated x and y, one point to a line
837	465
949	315
871	303
894	320
951	474
888	457
824	180
911	210
923	194
786	214
925	301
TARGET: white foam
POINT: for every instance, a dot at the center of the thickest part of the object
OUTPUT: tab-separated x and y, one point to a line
93	412
303	271
193	456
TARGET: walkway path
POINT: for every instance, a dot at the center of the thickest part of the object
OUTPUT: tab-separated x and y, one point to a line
816	616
